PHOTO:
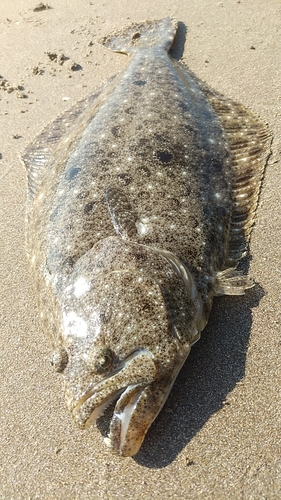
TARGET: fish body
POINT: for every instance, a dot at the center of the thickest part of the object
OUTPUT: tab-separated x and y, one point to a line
141	202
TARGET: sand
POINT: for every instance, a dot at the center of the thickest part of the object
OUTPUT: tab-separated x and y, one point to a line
219	433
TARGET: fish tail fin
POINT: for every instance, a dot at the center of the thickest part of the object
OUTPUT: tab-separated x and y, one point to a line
142	35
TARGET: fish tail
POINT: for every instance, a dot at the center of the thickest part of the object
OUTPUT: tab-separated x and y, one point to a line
142	35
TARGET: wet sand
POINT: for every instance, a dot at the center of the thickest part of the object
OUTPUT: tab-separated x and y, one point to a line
219	434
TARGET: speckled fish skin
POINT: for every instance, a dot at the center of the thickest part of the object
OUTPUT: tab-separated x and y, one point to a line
141	201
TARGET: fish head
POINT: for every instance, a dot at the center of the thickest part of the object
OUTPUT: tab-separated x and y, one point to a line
120	345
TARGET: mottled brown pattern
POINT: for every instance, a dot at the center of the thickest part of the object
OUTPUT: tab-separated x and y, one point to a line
139	198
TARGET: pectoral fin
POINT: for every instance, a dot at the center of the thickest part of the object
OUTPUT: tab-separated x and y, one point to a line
122	215
232	282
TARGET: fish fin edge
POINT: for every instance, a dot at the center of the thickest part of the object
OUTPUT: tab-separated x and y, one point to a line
142	35
38	154
232	282
249	142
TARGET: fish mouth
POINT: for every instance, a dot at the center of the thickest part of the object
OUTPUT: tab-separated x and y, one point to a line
136	410
142	396
134	374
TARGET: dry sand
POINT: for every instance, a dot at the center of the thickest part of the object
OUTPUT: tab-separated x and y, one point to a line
219	433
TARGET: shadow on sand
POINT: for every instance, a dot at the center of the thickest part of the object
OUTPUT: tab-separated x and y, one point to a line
215	365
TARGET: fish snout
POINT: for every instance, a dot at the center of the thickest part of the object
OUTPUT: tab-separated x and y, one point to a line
133	374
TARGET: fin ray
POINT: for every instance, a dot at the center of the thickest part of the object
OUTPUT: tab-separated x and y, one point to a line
41	150
232	282
249	141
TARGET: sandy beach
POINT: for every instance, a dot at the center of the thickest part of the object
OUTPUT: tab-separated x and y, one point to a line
218	435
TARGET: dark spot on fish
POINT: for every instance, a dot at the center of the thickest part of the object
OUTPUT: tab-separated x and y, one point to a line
104	163
144	195
192	254
173	203
116	131
164	156
140	83
144	170
111	154
72	173
69	261
135	36
129	111
146	306
89	207
105	316
125	179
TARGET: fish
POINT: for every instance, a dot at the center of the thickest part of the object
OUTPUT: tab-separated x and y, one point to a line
141	200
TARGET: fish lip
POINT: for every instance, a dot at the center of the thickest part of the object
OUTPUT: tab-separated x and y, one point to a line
136	370
123	412
135	411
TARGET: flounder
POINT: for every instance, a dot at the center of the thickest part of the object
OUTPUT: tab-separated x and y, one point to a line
141	202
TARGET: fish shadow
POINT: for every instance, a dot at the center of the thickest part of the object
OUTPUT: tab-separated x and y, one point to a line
177	48
215	365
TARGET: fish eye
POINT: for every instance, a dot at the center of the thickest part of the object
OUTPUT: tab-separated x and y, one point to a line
59	359
99	361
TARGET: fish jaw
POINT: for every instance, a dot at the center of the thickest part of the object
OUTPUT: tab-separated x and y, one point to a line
136	410
137	370
141	394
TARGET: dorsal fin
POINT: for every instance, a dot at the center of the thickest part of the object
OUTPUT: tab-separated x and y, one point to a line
38	154
249	140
